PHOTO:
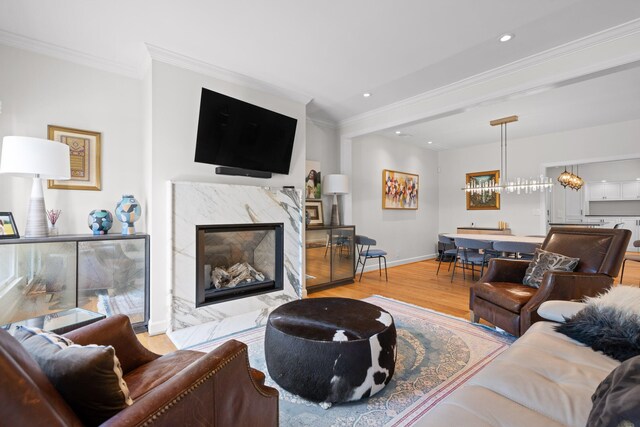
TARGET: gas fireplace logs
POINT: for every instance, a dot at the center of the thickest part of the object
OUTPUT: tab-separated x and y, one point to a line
234	275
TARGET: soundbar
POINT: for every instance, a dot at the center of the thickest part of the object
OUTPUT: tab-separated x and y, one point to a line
225	170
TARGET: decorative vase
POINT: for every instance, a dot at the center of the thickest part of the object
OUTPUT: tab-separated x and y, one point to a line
128	212
53	231
100	221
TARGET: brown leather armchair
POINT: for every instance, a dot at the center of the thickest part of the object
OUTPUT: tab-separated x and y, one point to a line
500	297
183	388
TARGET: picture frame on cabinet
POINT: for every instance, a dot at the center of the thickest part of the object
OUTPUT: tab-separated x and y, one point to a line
8	228
313	208
84	149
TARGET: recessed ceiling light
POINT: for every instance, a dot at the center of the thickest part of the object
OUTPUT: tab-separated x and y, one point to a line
506	37
637	179
366	94
604	180
429	142
398	132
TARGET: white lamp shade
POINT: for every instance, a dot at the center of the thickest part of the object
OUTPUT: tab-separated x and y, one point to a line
335	184
26	156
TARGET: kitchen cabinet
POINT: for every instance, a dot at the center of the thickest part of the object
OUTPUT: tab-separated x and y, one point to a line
633	224
604	190
631	190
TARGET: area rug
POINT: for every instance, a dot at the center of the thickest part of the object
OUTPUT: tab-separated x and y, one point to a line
436	355
129	302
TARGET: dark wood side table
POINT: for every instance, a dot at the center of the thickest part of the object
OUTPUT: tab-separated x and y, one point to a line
60	322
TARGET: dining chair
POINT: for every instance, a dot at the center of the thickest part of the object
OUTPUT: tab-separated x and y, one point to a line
468	252
450	254
368	253
518	250
618	225
630	257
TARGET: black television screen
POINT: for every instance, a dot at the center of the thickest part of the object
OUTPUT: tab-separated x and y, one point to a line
242	135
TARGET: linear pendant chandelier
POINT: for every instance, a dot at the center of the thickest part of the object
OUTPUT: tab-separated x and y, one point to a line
504	184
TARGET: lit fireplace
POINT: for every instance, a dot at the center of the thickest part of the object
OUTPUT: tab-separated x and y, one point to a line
238	260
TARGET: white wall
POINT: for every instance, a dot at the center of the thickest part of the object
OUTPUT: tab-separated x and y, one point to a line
175	103
323	145
407	235
527	157
37	91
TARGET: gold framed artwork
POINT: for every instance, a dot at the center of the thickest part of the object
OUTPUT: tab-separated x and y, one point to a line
485	200
84	149
399	190
313	208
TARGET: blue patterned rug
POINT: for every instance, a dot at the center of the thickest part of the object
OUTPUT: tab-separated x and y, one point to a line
436	355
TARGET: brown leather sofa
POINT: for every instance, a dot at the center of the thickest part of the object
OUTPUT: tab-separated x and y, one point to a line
500	297
183	388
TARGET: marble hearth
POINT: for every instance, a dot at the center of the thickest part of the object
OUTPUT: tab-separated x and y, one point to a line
196	203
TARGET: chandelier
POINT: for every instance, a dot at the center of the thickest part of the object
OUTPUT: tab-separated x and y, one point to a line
504	184
571	180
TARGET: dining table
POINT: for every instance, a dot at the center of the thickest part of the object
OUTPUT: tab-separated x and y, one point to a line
497	238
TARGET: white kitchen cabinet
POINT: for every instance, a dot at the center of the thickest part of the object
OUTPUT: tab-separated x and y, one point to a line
573	204
633	224
631	190
604	191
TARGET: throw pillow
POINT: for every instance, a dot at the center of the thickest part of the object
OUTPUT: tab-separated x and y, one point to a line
544	261
609	323
616	401
89	378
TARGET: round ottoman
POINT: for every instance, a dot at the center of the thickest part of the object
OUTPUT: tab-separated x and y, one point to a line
330	349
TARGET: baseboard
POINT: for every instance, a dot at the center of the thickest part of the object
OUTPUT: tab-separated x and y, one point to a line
374	263
158	328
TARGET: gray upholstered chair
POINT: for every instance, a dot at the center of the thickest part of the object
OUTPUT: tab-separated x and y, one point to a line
368	253
448	251
468	252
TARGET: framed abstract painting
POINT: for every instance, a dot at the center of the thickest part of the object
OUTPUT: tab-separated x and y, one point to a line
399	190
485	200
84	149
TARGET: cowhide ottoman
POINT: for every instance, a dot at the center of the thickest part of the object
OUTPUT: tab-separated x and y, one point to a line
330	350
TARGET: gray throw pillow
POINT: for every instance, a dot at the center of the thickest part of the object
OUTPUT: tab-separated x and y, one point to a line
89	378
544	261
616	401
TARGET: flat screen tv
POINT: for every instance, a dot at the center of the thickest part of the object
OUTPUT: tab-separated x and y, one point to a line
235	133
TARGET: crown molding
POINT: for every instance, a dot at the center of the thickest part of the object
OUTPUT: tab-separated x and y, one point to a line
611	34
38	46
322	123
169	57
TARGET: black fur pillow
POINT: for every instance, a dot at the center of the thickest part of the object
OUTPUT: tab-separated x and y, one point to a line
613	331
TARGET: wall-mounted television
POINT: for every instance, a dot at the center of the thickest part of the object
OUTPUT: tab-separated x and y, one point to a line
235	133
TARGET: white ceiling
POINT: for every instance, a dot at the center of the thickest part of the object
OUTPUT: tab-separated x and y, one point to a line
613	97
330	50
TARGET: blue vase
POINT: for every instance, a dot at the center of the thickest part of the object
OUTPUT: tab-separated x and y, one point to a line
128	211
100	221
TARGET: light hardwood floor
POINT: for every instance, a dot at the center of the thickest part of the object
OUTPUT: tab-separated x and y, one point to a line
414	283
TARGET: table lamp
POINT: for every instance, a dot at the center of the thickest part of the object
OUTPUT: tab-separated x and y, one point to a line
40	159
334	185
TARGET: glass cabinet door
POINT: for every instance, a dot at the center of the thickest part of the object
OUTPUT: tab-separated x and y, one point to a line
36	279
318	256
343	259
111	277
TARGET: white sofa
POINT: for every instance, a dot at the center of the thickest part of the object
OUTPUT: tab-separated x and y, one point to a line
543	379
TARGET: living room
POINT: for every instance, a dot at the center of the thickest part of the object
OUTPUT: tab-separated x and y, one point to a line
574	88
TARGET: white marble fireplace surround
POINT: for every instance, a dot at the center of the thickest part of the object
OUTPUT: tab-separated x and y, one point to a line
198	203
